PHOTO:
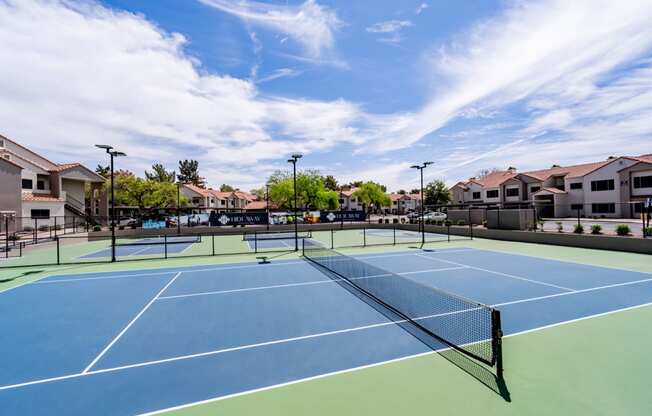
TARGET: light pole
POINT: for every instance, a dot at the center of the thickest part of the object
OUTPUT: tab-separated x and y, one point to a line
178	207
422	224
267	202
293	159
112	153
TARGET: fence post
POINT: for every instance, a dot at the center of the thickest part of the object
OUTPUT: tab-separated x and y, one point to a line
448	232
364	236
58	251
255	241
213	242
35	231
394	234
332	238
7	237
165	243
55	225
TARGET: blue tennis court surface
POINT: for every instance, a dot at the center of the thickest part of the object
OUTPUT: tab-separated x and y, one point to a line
144	247
141	341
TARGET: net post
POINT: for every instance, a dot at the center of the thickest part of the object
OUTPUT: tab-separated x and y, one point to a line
470	225
394	234
332	238
165	244
497	342
364	236
213	243
58	251
448	232
303	247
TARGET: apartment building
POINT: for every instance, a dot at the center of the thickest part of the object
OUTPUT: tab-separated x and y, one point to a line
348	201
403	203
32	186
614	187
202	198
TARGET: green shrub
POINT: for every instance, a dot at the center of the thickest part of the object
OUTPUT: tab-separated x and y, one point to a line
13	237
623	229
402	220
44	228
596	229
578	229
484	223
560	226
97	228
448	223
386	220
461	222
647	231
541	224
28	228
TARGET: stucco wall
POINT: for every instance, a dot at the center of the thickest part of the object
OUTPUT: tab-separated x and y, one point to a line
10	182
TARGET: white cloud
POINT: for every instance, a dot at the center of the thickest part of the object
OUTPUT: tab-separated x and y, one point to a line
280	73
389	26
82	74
551	51
310	24
421	8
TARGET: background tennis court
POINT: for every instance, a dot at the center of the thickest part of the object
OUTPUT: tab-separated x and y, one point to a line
169	337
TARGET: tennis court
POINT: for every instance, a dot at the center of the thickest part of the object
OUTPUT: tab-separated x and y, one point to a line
146	246
133	342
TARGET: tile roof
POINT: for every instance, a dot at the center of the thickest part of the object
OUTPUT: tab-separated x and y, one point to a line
197	189
396	197
495	179
349	192
32	197
551	190
259	205
65	166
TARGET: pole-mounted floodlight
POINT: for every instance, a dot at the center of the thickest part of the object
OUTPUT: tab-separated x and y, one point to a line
423	228
112	154
293	160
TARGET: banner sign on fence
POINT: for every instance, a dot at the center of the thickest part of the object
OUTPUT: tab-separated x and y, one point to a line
339	216
217	219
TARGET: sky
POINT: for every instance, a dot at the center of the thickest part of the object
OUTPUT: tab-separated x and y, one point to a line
363	89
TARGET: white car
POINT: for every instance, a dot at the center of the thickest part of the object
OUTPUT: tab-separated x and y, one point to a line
435	216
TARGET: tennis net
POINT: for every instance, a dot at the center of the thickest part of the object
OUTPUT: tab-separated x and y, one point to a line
157	239
274	235
470	327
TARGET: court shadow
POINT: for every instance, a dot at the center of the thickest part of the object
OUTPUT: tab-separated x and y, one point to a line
24	274
477	370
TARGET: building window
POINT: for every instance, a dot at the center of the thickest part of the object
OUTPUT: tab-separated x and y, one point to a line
40	213
511	192
535	189
477	195
40	185
2	143
603	208
643	182
576	207
492	194
8	157
603	185
576	185
27	184
352	199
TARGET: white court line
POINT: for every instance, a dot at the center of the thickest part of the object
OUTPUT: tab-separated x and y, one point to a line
349	370
280	341
142	311
248	289
208	269
500	273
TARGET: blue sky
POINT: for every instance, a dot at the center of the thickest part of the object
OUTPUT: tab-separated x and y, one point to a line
363	88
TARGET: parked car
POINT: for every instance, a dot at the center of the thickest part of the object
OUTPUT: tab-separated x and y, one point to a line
435	216
417	214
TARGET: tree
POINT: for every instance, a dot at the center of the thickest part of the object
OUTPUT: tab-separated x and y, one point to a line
103	171
401	192
483	173
372	194
415	191
259	193
311	191
331	183
159	174
437	193
189	173
131	190
226	188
